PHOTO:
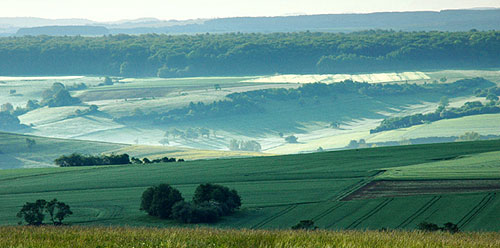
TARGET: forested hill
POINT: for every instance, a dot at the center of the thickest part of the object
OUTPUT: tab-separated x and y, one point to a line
446	20
248	54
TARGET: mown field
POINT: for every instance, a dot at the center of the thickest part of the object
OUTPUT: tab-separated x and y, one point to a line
280	191
178	237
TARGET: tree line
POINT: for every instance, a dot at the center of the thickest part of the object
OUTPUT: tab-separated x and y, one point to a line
441	113
76	159
247	53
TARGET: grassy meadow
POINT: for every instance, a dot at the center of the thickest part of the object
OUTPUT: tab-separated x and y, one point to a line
202	237
330	188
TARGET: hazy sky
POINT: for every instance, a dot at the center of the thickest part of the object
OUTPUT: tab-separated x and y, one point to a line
107	10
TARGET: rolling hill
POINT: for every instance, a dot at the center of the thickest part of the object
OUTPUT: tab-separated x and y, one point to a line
353	189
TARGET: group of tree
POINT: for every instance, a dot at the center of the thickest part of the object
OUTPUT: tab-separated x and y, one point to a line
431	227
247	53
9	122
76	159
135	160
210	202
56	96
256	101
33	213
241	145
469	108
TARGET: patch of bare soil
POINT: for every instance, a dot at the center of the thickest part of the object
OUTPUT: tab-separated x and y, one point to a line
388	188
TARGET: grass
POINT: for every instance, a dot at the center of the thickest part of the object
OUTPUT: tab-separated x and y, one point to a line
277	191
202	237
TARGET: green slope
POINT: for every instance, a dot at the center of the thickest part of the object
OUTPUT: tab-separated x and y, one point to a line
277	191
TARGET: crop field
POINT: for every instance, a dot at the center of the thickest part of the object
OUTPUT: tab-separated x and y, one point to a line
204	237
280	191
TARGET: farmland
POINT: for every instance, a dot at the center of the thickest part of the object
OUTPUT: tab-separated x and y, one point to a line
280	191
309	121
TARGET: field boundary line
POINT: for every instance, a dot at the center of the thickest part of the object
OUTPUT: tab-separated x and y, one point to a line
419	212
370	213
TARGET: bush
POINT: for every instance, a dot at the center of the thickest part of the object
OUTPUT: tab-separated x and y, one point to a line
305	225
431	227
291	139
159	200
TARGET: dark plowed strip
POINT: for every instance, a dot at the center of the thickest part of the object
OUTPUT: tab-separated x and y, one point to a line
386	188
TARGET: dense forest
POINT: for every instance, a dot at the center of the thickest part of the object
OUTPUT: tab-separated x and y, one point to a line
247	54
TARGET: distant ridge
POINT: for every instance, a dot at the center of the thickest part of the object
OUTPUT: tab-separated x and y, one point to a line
446	20
64	30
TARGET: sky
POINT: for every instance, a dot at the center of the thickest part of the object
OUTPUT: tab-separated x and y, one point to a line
112	10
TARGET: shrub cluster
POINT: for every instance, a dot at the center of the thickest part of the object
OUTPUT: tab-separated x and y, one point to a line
431	227
210	202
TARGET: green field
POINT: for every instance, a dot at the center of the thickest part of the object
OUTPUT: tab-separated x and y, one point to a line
279	191
203	237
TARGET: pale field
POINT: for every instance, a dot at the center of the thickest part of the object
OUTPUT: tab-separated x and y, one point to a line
335	78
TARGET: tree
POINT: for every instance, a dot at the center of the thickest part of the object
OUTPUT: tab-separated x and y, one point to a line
443	103
492	97
57	211
7	107
30	143
108	81
291	139
32	212
305	225
159	200
427	226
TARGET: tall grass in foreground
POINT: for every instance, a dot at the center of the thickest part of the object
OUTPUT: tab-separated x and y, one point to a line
179	237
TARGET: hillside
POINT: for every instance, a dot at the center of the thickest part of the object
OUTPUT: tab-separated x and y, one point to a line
17	152
353	189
